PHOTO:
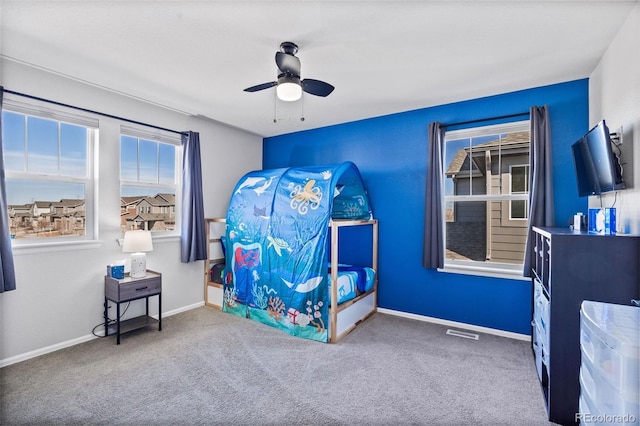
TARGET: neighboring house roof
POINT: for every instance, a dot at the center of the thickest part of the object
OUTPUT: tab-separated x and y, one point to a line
130	200
155	201
149	216
71	203
458	162
169	198
20	206
160	199
42	204
512	141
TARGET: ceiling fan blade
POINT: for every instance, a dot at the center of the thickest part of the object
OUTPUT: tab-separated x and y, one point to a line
261	86
316	87
288	64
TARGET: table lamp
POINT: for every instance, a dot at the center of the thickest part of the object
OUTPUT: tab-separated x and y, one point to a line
136	243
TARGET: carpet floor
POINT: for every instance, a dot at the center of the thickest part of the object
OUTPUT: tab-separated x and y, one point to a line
207	367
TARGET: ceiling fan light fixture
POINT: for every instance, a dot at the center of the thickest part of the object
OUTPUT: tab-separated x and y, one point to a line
289	89
289	86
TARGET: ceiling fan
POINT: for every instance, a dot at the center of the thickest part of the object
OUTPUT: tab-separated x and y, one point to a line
289	86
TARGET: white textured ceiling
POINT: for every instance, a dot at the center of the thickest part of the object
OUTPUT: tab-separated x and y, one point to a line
382	56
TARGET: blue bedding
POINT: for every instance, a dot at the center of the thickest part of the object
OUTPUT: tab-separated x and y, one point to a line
352	281
276	243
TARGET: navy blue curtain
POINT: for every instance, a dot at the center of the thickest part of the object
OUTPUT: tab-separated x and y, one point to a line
433	243
540	179
7	271
192	238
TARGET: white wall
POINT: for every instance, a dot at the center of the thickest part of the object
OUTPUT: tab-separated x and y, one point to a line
59	295
614	95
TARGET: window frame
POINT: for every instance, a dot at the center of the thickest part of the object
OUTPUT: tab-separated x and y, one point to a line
507	206
61	115
160	137
483	268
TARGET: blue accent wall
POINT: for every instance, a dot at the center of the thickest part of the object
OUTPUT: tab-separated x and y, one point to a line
391	153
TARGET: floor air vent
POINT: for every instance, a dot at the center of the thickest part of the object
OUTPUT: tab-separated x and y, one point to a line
458	333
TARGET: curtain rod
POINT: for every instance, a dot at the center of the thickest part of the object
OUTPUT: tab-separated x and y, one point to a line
460	123
92	111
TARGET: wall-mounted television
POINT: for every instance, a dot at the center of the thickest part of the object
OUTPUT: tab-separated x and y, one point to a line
597	166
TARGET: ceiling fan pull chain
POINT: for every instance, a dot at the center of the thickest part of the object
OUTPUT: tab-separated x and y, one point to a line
275	106
302	108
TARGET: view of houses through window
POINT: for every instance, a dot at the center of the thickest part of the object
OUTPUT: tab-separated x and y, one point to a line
486	194
48	175
49	178
148	184
66	217
45	218
151	213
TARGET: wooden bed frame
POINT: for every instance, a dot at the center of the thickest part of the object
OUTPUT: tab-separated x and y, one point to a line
213	291
346	316
343	317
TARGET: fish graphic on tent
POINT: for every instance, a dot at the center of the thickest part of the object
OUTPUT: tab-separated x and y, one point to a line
252	182
304	287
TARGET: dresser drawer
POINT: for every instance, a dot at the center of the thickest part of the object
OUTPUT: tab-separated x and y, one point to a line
129	289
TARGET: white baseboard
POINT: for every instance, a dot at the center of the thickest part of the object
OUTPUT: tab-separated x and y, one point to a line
456	324
32	354
177	311
48	349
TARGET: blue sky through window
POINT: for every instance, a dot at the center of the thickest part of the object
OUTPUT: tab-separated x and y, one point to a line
38	146
146	161
147	191
27	191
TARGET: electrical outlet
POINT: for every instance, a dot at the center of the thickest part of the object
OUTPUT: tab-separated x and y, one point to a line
619	134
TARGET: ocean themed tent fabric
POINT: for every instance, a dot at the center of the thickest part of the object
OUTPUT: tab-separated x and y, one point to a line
276	243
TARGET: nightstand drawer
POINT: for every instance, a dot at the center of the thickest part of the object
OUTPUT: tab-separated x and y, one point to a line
134	290
129	289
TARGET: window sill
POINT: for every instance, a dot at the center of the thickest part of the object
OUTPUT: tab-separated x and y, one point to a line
166	238
511	272
48	247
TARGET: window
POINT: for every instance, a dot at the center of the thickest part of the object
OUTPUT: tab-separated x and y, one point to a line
148	180
519	184
486	196
49	166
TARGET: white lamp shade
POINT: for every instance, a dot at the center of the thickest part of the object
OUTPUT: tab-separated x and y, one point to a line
289	91
137	241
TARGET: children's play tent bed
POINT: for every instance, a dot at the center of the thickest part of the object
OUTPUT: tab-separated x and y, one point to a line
279	268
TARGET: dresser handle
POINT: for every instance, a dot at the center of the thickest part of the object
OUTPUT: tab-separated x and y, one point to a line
141	288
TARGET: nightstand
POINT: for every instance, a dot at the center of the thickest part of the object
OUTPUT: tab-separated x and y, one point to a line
126	290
